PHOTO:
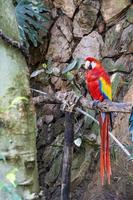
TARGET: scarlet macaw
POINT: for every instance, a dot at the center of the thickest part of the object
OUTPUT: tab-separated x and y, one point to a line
99	86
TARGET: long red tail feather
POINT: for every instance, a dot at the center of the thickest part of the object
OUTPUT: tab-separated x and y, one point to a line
105	165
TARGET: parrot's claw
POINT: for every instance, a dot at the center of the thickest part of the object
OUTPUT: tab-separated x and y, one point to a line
69	101
95	104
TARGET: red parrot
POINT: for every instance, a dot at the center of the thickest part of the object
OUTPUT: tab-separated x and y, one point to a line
99	86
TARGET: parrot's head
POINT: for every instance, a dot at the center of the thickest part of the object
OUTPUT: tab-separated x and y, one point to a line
92	63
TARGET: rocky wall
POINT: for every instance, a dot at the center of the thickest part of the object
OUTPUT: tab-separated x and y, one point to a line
81	28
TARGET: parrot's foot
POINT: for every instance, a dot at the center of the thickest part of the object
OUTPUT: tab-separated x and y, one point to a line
69	101
95	104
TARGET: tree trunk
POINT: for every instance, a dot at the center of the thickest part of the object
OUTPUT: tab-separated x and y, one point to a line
18	168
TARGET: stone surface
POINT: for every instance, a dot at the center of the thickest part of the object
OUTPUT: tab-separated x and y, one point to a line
89	45
112	9
58	84
77	2
60	47
117	83
101	27
112	40
125	62
67	8
85	19
52	151
80	165
54	172
121	125
129	15
126	42
108	64
48	119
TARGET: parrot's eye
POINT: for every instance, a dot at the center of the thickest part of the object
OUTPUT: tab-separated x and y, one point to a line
90	65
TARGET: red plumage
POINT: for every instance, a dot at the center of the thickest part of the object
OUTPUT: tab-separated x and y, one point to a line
99	87
92	79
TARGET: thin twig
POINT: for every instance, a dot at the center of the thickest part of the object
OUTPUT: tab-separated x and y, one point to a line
87	114
111	135
45	98
39	91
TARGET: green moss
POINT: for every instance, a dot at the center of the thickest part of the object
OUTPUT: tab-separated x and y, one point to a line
8	22
17	117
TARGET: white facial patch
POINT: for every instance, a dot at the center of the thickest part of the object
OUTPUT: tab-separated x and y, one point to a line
93	64
87	64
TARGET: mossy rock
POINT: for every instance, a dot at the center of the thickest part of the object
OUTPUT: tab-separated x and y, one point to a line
117	83
54	171
129	15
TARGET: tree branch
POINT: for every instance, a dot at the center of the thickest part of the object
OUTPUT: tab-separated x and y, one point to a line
67	156
105	106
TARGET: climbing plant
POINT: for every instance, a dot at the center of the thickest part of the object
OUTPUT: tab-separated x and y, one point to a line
32	16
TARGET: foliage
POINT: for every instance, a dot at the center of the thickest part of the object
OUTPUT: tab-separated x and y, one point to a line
31	17
14	103
75	64
8	183
17	101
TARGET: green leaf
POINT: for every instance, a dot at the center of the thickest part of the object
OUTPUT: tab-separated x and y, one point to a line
2	157
76	64
69	76
70	67
11	176
17	100
130	157
80	62
31	17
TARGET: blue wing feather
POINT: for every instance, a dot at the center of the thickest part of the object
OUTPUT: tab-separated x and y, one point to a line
131	125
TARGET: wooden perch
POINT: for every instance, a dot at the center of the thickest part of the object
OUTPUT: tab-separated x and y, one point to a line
70	102
67	156
105	106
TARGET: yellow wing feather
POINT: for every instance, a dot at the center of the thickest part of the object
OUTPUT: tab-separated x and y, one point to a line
105	88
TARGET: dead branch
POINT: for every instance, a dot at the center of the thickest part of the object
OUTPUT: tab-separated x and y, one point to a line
105	106
67	156
47	99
